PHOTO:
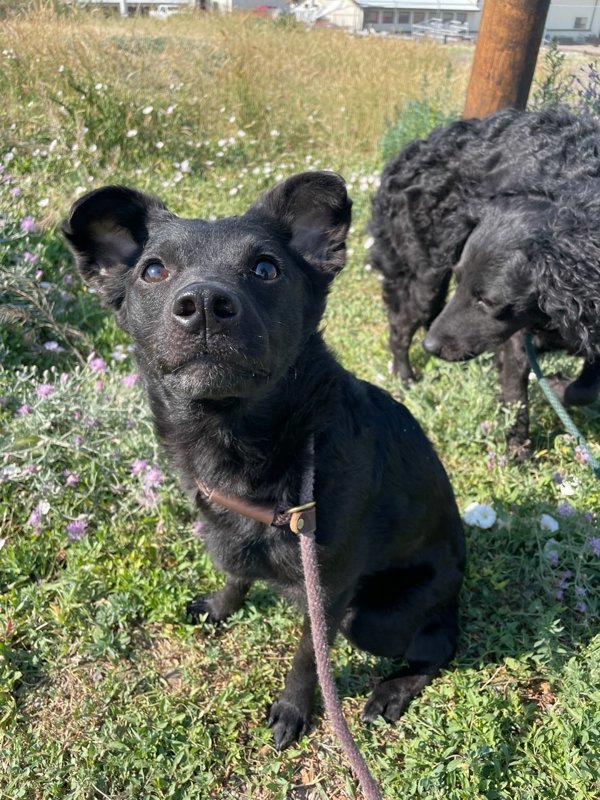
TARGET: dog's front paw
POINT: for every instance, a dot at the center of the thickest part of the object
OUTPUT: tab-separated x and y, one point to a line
388	701
206	606
288	723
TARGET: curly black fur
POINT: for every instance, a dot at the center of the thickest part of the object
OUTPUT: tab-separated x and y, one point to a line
508	203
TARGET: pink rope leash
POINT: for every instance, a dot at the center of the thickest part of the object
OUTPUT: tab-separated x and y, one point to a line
318	627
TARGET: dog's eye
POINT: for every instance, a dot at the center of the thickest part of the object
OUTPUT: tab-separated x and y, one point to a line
155	272
266	270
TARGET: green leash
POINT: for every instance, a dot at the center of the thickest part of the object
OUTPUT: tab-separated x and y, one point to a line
559	408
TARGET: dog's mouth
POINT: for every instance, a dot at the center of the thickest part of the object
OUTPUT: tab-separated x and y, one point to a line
210	362
210	376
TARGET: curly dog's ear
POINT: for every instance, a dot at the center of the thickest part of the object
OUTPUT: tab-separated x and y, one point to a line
567	267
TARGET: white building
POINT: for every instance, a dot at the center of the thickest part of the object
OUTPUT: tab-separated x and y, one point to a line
577	20
401	16
570	19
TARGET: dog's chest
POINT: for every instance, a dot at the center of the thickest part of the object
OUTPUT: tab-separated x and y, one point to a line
254	551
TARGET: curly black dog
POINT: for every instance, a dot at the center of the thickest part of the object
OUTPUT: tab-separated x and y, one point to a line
225	316
506	204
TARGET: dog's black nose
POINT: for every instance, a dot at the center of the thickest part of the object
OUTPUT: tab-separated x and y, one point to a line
206	306
432	344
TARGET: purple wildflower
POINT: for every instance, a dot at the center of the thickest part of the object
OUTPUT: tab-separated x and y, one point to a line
99	385
97	364
557	477
138	466
148	499
30	258
153	477
44	390
559	594
581	454
565	509
15	191
72	478
594	544
76	529
129	380
580	591
485	426
78	440
27	224
552	557
197	528
581	606
35	519
24	409
53	347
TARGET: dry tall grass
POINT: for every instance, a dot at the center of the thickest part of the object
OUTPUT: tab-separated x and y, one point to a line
320	88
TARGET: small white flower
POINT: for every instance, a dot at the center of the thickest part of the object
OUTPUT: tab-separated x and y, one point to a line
274	132
2	543
170	109
369	242
241	133
185	166
548	523
131	133
233	191
480	515
147	110
92	148
568	488
43	202
159	145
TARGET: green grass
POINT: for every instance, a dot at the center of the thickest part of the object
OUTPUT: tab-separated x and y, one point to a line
105	691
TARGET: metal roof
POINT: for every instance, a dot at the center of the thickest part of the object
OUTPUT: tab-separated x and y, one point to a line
421	5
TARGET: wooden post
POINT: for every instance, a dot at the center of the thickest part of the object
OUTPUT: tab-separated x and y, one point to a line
507	47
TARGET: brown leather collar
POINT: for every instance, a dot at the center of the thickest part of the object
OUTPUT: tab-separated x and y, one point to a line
300	519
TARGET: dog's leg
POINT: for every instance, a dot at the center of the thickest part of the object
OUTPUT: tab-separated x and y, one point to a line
514	373
431	649
217	606
406	314
289	717
586	388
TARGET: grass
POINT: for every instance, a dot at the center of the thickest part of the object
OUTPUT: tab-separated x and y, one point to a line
105	691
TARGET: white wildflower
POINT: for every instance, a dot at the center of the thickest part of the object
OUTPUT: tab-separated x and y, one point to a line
480	515
548	523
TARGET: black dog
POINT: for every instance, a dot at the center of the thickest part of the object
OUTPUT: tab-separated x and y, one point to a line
225	316
484	187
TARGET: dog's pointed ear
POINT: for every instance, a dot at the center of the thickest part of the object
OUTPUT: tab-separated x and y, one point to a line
107	229
315	210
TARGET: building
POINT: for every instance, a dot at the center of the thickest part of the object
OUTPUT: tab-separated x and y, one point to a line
567	21
411	16
573	20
